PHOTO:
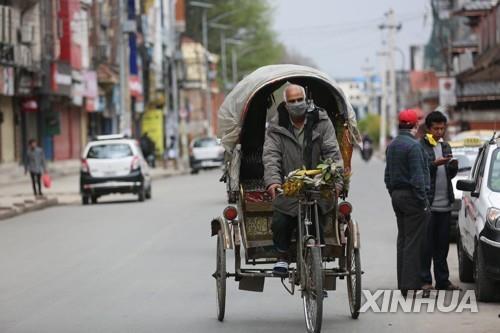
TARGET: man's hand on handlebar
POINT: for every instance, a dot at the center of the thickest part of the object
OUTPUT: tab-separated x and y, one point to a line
271	189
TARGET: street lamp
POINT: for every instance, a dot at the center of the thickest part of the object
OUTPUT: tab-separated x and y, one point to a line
222	28
204	7
234	58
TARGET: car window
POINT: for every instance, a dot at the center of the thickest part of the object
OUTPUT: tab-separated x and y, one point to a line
110	151
464	162
477	163
205	143
479	168
494	177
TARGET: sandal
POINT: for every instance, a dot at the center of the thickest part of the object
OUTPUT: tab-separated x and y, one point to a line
426	290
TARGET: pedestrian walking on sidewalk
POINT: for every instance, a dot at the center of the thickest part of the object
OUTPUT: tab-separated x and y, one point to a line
442	168
34	163
407	180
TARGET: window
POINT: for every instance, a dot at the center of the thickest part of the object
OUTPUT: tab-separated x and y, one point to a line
464	163
110	151
477	164
494	177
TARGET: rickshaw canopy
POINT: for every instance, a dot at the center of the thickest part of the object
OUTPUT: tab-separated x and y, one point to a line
231	115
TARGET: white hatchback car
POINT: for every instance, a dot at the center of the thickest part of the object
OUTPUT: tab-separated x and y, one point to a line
479	224
206	153
113	164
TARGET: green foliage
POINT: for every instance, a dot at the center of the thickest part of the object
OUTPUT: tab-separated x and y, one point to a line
370	125
248	19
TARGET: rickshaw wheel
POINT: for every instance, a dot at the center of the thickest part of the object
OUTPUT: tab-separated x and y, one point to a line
220	277
353	267
312	295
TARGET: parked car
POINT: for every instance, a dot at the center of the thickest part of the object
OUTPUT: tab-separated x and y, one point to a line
113	164
478	239
465	151
205	153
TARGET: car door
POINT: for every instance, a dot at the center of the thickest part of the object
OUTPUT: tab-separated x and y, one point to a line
471	202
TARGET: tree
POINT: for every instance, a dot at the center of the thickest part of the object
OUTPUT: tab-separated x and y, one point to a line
248	20
292	56
370	125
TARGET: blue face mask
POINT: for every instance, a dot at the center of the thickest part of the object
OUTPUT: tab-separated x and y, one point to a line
297	109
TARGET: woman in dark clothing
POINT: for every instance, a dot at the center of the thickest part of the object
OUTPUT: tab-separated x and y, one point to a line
35	164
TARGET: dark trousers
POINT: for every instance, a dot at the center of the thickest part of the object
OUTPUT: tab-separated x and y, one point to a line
36	182
412	222
436	248
284	226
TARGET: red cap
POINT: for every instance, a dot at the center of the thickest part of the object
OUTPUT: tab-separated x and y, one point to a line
408	116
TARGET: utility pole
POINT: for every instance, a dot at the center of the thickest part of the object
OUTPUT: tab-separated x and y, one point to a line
392	27
222	28
173	77
125	114
208	96
234	58
234	61
46	20
383	103
368	71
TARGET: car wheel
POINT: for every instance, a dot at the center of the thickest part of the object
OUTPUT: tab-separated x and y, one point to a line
85	199
142	194
485	287
194	171
148	193
465	265
94	199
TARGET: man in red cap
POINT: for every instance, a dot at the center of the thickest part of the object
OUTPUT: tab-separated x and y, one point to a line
407	180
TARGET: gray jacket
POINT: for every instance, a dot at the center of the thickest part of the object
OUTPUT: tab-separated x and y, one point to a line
283	154
35	161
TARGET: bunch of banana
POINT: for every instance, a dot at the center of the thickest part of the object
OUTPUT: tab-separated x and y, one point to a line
292	187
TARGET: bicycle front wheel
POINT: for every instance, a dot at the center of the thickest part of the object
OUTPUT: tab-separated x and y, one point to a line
312	295
353	268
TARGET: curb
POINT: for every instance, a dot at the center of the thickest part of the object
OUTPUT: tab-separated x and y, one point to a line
30	205
26	207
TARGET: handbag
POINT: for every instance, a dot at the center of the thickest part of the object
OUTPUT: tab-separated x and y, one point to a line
46	180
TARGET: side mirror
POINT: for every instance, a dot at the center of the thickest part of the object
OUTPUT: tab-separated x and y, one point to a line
466	185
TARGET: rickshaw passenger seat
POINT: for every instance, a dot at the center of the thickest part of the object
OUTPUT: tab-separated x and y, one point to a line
252	167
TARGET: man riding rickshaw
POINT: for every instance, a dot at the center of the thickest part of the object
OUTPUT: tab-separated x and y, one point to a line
288	133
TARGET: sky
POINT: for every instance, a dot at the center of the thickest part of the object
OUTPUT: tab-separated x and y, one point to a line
340	35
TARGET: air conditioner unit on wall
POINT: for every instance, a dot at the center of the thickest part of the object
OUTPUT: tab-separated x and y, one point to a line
27	33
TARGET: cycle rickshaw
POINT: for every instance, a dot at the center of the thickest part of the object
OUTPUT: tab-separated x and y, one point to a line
246	221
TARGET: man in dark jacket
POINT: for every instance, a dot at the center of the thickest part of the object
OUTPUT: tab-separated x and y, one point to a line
299	136
407	180
442	169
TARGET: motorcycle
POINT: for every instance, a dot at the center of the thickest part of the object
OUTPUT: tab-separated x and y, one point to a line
367	151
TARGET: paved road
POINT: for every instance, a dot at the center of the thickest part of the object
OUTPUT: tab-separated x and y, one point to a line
123	266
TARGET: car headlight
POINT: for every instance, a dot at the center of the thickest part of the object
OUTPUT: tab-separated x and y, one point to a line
493	217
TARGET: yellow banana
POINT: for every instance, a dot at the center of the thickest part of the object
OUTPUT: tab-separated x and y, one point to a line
313	172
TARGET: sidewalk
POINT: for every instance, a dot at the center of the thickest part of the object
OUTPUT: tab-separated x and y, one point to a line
16	194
